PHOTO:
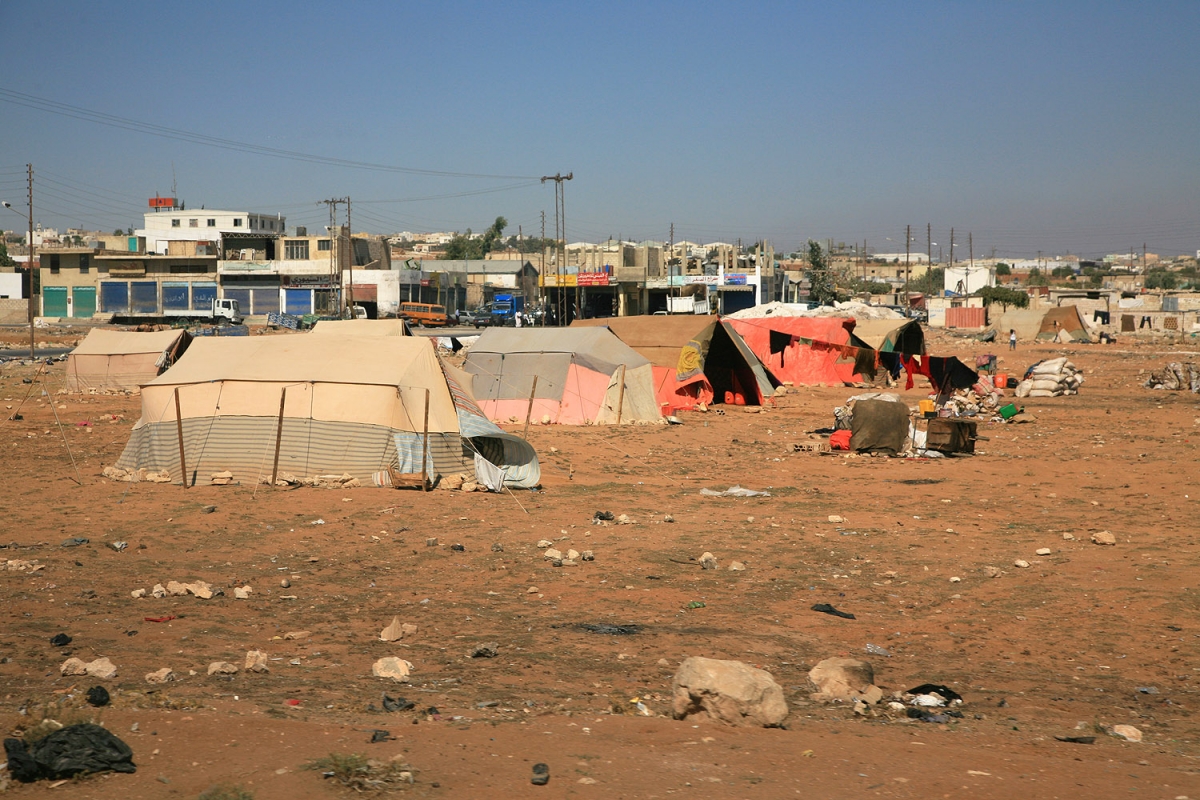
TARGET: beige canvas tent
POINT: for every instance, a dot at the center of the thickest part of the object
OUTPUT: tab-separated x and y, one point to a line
891	335
320	404
584	376
110	360
361	327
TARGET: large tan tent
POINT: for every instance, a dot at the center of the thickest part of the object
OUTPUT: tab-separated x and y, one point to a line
110	360
361	327
350	405
584	376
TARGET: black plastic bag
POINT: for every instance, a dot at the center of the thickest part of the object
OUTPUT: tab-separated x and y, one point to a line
71	751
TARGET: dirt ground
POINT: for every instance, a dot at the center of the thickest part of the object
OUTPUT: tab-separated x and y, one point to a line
1080	640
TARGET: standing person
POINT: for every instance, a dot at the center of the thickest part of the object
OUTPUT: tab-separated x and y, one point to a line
1012	339
517	319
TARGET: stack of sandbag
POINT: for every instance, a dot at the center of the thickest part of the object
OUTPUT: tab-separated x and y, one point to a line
1053	378
1174	377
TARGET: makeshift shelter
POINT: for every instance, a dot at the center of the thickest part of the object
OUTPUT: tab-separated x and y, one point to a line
123	360
1063	322
695	358
802	350
575	376
890	335
361	327
315	405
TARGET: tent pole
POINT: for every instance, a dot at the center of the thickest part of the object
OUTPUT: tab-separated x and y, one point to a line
529	410
621	395
278	435
425	448
179	430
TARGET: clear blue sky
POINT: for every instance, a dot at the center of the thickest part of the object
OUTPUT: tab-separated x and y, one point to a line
1061	126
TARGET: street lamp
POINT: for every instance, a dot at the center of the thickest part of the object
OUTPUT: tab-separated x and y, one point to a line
29	267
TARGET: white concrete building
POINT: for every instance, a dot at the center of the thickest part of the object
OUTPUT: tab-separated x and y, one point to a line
203	224
964	279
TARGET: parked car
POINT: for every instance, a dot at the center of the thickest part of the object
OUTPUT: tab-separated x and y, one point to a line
474	318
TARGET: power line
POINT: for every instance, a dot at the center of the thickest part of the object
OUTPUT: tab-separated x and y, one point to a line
162	131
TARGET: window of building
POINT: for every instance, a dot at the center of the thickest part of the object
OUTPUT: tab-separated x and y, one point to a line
237	222
193	223
174	223
253	222
212	223
295	249
187	269
324	245
84	263
54	264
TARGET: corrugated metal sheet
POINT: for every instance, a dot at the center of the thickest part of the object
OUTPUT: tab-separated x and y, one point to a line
966	317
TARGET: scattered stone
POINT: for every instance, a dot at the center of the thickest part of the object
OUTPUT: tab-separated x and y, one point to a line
97	696
242	592
1043	551
472	486
1068	537
160	676
1022	563
208	509
836	518
544	543
221	478
541	775
256	661
956	579
1127	732
992	572
176	589
668	518
458	548
60	640
222	668
844	679
158	590
624	520
391	667
876	650
137	593
1104	537
393	632
102	668
285	583
587	555
662	662
488	650
497	547
728	691
708	561
293	635
451	482
736	566
573	555
73	666
75	541
431	541
200	589
552	555
603	516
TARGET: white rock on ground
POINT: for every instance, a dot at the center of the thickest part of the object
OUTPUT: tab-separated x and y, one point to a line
160	676
73	666
256	661
844	679
222	668
102	668
1104	537
728	691
708	561
1127	732
391	667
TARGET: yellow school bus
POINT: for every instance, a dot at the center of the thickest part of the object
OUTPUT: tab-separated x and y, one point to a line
423	314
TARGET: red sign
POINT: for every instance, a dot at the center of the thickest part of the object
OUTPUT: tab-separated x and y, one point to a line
162	202
592	279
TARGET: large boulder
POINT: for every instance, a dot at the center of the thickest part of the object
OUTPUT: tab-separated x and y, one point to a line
729	691
844	679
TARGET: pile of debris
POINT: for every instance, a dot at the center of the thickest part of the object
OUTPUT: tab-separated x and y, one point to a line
1053	378
1175	377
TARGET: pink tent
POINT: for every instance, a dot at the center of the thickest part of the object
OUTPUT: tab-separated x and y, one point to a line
775	341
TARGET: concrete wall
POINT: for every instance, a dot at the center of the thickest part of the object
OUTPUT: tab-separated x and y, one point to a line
13	312
10	285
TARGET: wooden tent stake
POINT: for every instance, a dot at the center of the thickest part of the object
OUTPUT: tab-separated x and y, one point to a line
425	448
529	410
278	435
621	395
179	430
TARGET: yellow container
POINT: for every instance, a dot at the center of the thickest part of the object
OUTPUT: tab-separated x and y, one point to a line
928	408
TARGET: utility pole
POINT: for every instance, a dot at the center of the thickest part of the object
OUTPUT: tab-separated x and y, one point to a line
1145	266
542	272
336	252
907	268
350	253
30	264
971	244
952	247
929	245
560	212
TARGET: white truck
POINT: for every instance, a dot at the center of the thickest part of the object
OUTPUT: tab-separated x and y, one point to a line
221	311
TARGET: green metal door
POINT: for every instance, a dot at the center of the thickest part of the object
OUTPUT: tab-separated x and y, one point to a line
85	301
54	301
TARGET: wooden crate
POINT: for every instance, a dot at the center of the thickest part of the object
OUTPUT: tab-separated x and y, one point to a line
948	435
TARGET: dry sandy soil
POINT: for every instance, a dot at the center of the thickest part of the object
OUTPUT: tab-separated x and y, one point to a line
1060	648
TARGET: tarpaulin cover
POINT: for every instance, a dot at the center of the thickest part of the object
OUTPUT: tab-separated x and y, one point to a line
878	426
775	341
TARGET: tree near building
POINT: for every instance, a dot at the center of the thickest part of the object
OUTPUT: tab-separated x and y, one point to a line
1004	296
466	246
1003	269
820	278
5	259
